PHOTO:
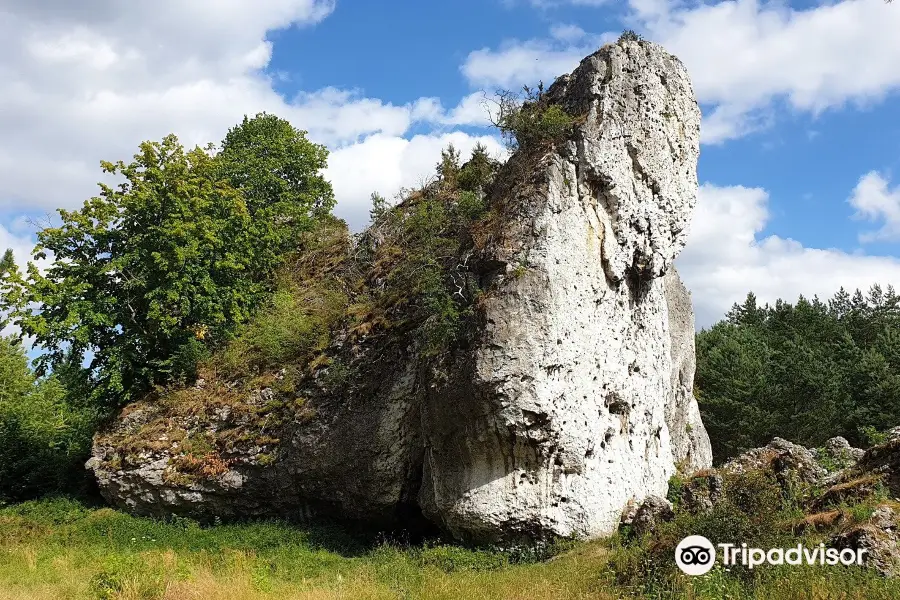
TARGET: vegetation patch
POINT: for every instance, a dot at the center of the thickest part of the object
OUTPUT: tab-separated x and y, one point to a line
415	262
530	121
63	549
203	431
804	371
757	509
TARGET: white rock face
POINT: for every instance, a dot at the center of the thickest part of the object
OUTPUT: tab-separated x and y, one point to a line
571	398
690	442
558	416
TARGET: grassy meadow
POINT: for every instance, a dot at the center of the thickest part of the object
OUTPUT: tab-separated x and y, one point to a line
61	549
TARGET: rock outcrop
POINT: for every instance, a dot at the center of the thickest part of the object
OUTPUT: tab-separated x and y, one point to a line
558	416
652	512
847	498
690	443
881	461
572	397
789	462
879	539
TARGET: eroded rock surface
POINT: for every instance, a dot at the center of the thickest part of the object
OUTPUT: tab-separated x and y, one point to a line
785	460
573	396
558	416
881	461
702	492
878	537
690	442
652	512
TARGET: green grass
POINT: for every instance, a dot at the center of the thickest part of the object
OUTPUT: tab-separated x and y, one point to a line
61	549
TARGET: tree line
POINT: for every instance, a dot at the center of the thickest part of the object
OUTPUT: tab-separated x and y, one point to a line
144	281
805	371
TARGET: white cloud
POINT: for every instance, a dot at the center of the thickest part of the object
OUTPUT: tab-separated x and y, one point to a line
726	257
336	116
743	56
526	62
85	81
873	200
567	33
81	82
475	109
385	164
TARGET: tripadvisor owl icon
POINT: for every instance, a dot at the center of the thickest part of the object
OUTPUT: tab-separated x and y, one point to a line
695	555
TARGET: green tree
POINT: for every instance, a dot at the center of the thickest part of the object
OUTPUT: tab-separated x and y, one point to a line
478	170
44	439
7	263
805	371
379	207
145	274
278	171
731	383
449	167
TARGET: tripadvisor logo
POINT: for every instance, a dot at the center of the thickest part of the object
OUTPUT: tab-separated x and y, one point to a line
696	555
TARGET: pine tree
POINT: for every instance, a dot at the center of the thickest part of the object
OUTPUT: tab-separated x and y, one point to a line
7	263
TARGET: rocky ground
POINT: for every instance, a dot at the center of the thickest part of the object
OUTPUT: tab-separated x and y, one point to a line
847	497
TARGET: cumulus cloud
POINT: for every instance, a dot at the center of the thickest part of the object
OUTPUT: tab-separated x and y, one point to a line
743	56
385	164
81	82
567	33
875	201
726	257
476	109
518	63
85	81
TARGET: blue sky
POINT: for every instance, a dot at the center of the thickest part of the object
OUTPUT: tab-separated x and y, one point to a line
799	166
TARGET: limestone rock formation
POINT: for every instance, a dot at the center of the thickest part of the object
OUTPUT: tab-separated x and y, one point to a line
557	417
571	398
702	492
769	484
786	460
652	512
879	539
690	443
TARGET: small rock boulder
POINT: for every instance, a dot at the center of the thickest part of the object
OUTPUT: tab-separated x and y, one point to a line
885	518
702	492
789	462
881	462
878	537
628	513
893	434
837	454
840	447
653	511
